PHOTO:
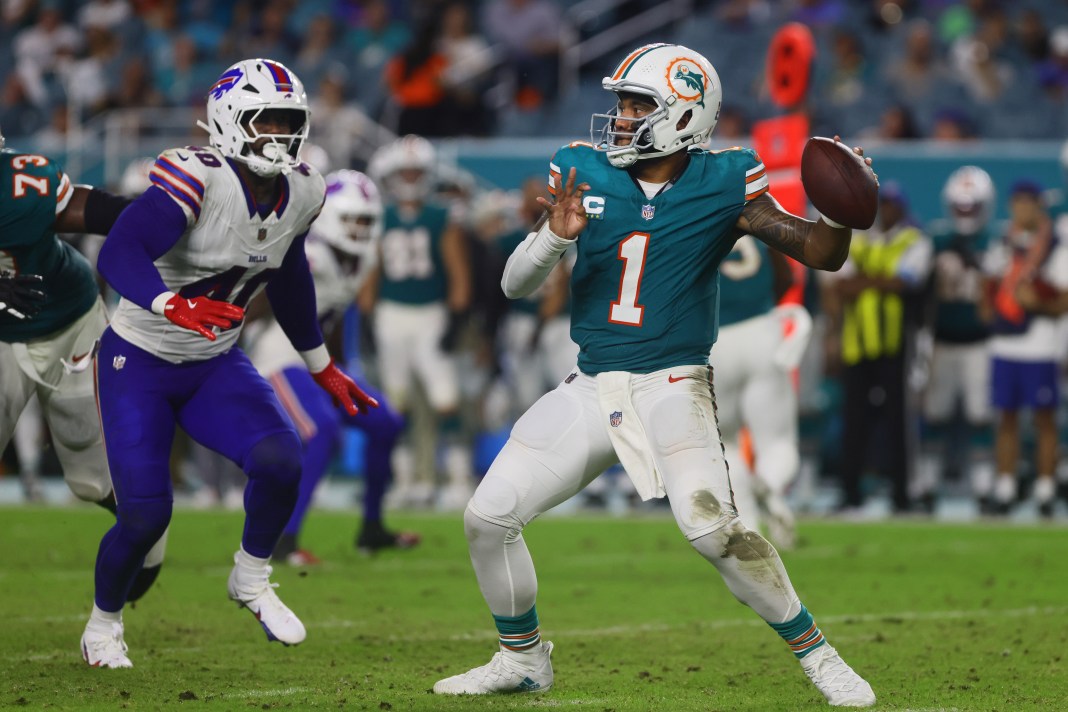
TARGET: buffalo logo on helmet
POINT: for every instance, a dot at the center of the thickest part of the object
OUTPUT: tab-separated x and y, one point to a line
225	83
687	81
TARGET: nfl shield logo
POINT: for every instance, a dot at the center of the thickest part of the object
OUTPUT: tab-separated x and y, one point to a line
615	419
571	377
262	235
647	212
118	362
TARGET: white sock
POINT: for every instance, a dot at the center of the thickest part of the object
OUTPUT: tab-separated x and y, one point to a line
1045	489
101	616
247	562
1005	488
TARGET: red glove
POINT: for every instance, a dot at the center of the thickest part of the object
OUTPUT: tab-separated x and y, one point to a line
343	389
199	314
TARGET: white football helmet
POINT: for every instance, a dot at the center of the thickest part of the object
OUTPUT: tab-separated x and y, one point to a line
405	168
351	219
969	199
236	100
681	82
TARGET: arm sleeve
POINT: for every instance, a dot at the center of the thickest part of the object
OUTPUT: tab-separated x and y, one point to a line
102	209
532	262
143	233
292	296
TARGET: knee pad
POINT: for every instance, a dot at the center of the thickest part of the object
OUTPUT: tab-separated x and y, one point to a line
275	459
480	529
496	500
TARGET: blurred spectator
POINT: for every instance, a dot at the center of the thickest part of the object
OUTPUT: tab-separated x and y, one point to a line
319	54
415	81
468	61
1053	72
952	125
920	74
18	115
977	61
873	298
1025	269
849	75
733	124
270	37
103	14
39	48
185	82
1032	35
819	13
529	33
895	124
337	122
373	44
91	80
51	140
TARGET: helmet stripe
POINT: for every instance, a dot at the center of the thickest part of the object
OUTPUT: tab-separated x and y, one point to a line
634	57
281	77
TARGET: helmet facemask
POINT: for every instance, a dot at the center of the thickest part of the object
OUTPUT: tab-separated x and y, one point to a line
279	152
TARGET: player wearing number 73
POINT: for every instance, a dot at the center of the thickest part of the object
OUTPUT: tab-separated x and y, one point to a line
653	217
217	225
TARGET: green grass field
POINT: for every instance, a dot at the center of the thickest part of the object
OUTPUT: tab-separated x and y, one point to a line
964	617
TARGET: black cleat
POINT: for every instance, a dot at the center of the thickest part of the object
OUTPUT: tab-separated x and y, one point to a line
373	536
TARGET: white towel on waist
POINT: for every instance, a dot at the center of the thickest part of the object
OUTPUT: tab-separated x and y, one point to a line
627	433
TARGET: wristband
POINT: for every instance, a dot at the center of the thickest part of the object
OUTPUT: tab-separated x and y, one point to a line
316	359
159	304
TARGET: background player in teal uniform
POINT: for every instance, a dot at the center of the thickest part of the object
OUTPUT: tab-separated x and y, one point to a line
47	342
759	345
651	218
422	291
959	372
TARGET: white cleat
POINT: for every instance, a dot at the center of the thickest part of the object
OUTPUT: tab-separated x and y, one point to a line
839	684
103	646
257	594
503	674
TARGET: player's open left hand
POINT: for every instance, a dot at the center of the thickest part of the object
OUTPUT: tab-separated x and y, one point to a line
200	314
19	295
343	389
567	216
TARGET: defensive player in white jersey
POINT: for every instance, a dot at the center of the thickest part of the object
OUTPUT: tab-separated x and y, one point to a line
217	226
421	294
651	219
758	347
341	250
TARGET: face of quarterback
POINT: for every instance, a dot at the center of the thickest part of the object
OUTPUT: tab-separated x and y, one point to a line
630	110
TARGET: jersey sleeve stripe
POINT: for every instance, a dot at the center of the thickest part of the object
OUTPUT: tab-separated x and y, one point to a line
184	176
756	193
178	194
63	193
759	168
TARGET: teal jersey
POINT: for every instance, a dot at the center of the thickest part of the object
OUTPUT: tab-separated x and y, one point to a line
413	269
958	281
747	282
33	190
644	287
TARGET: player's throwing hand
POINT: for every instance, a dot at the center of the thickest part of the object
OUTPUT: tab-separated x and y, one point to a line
567	216
199	314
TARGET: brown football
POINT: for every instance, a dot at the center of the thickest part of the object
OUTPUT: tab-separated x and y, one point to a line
839	183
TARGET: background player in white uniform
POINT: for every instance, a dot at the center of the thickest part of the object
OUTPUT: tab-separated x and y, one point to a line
341	250
644	291
758	347
217	226
421	294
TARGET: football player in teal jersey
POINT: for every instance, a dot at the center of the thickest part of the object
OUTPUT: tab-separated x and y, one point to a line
51	315
422	293
959	369
759	346
652	216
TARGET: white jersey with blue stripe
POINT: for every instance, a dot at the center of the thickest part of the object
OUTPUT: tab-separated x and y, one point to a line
228	250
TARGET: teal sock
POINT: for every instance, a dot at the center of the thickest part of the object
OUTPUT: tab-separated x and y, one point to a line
519	633
801	633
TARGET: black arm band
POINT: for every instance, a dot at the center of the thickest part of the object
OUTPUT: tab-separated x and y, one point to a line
102	209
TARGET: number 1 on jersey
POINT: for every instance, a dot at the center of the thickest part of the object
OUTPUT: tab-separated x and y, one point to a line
626	310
